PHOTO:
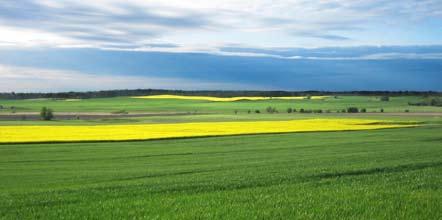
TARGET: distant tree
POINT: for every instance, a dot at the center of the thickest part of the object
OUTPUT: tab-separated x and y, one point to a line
363	110
271	110
294	110
352	110
46	114
328	111
257	111
406	110
301	110
236	111
385	98
343	111
308	97
289	110
382	110
317	111
249	111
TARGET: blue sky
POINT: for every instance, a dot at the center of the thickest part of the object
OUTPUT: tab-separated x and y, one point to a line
64	45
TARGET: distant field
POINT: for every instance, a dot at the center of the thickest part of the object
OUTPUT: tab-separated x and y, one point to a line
129	104
228	99
393	173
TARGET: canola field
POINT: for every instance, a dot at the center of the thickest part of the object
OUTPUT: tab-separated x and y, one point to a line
229	99
50	133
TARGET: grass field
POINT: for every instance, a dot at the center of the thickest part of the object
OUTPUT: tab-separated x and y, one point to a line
372	174
383	174
129	104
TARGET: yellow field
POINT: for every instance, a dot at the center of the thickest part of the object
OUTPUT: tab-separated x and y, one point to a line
22	134
218	99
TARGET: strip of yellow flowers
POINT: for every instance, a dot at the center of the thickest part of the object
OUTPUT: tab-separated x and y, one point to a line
229	99
25	134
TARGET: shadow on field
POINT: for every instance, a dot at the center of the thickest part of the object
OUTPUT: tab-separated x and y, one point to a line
401	168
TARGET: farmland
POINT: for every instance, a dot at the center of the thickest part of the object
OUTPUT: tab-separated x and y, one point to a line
389	173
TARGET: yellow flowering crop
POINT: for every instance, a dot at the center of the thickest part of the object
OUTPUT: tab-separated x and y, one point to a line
22	134
229	99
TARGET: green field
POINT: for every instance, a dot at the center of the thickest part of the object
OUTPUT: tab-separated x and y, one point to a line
132	105
377	174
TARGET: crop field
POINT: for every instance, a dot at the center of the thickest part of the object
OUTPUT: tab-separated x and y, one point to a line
230	99
133	105
48	133
196	158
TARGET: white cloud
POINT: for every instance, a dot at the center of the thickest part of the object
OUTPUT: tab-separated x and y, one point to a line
25	79
134	23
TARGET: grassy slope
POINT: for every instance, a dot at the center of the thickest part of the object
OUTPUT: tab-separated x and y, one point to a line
382	174
397	104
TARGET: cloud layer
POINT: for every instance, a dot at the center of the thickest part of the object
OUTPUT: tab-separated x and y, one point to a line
204	25
61	45
332	69
25	79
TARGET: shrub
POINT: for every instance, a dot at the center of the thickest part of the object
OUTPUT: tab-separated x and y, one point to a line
46	114
271	110
352	110
436	102
301	110
294	110
317	111
257	111
382	110
385	98
249	111
363	110
428	102
343	111
406	110
289	110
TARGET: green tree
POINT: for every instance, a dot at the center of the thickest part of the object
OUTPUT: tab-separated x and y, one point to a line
46	114
385	98
352	110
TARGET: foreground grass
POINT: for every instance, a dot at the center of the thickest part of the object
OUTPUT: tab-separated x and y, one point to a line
382	174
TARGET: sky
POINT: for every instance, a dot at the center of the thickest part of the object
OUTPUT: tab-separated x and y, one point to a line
340	45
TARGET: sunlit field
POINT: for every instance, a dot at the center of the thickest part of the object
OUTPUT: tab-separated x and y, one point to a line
229	99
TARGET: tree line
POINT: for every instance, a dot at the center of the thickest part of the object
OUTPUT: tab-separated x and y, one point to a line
216	93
